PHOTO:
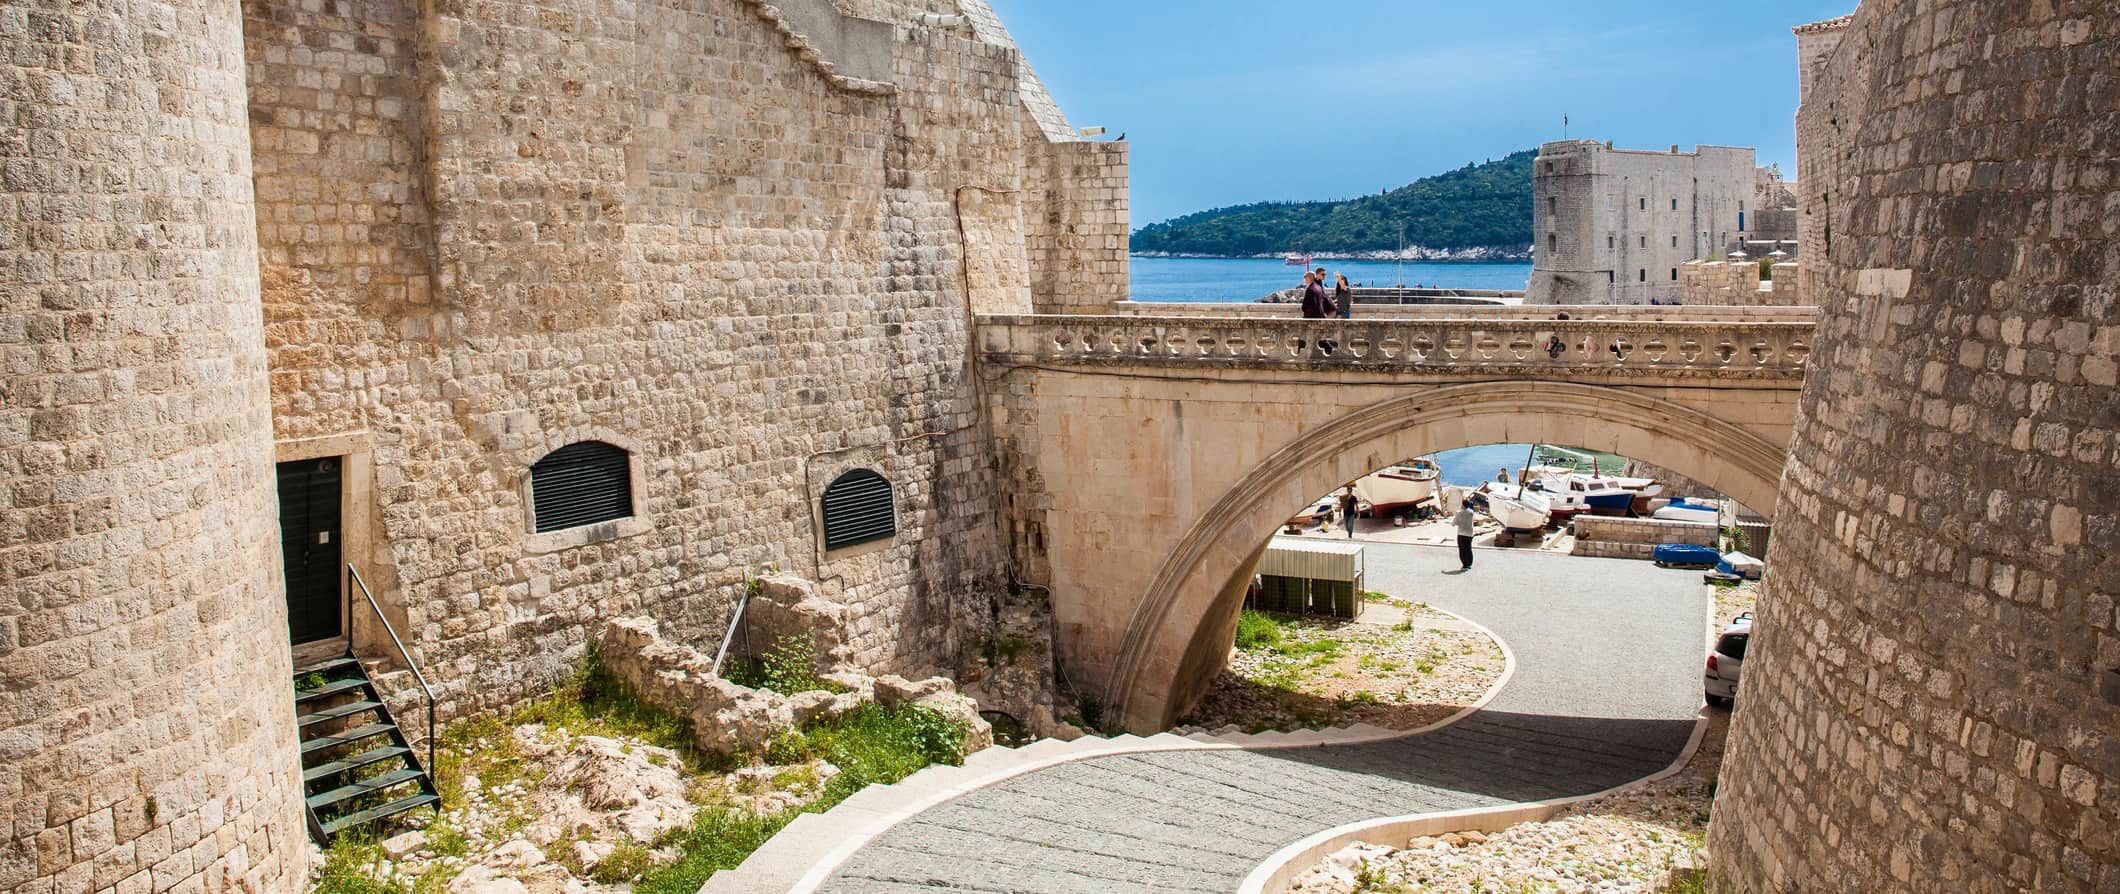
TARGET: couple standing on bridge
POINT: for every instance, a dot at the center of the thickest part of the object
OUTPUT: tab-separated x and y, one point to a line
1318	306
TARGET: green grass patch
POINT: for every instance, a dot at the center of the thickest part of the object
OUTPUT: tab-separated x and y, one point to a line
346	868
1257	630
872	746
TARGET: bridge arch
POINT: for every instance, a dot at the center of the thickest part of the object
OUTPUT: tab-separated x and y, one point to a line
1179	631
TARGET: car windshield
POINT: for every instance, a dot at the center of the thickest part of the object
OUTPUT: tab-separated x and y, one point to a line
1733	645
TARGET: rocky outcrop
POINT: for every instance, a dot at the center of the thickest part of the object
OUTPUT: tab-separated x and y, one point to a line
728	718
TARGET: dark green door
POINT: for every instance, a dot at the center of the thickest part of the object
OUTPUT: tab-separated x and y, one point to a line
309	547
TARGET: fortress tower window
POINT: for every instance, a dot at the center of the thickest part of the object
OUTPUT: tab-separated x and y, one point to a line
1674	240
1611	241
1553	206
1674	274
858	508
1642	274
1553	243
1644	241
1674	204
1645	204
581	484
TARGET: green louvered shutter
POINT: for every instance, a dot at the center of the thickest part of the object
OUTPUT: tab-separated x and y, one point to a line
581	484
857	509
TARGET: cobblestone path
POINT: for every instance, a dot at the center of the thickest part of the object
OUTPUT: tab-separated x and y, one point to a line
1606	688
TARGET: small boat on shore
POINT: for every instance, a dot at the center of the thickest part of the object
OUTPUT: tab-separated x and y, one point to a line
1518	509
1680	510
1595	492
1401	488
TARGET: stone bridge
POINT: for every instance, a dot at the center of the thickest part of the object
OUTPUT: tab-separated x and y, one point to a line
1151	457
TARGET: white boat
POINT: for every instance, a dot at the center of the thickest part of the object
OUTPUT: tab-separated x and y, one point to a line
1399	488
1516	508
1680	510
1594	492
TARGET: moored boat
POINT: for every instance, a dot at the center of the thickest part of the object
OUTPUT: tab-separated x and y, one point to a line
1680	510
1399	488
1520	509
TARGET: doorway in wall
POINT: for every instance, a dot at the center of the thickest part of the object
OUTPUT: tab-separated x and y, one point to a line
309	548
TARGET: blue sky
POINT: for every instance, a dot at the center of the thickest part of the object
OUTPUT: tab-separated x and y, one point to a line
1234	101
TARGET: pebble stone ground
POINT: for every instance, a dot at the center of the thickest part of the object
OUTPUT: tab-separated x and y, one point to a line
1606	690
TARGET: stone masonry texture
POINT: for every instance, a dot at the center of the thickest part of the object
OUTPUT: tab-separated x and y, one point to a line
1613	226
1933	702
146	734
440	240
493	229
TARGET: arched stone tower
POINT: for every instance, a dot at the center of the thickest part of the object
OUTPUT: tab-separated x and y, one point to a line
1934	700
146	722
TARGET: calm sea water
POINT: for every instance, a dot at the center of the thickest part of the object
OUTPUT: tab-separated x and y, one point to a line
1472	465
1244	279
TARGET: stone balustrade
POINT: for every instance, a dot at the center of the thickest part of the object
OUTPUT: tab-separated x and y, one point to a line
1526	346
1688	313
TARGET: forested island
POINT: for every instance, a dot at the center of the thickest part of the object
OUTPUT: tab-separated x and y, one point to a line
1477	212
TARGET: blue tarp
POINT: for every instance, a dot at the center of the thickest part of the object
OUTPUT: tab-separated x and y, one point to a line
1687	554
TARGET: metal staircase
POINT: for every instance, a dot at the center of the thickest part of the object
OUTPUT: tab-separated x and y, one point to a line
357	767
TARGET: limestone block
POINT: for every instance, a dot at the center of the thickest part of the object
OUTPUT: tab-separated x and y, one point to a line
788	606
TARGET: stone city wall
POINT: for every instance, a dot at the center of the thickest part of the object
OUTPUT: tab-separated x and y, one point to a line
1737	284
1613	537
1935	679
492	230
147	737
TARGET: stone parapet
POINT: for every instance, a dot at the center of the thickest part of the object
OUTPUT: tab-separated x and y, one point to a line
1536	346
1630	312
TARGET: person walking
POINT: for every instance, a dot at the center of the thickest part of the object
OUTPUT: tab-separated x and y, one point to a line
1344	297
1464	535
1348	505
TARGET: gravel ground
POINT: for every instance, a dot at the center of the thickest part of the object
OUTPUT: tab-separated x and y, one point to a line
1400	666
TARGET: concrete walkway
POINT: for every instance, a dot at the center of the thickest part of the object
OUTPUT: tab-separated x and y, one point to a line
1606	689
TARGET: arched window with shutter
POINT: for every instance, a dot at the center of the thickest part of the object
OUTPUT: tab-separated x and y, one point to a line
581	484
858	508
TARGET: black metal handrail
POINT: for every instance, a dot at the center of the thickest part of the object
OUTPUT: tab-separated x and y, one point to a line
355	576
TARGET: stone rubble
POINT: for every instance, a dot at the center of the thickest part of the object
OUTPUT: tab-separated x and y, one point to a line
729	719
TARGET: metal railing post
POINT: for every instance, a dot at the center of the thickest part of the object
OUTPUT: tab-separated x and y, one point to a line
355	575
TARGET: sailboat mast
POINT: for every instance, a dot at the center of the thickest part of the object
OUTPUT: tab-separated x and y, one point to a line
1523	479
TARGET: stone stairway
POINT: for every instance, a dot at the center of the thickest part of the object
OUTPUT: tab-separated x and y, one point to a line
816	842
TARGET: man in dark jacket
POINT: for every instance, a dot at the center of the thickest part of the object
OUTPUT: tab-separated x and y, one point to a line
1316	306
